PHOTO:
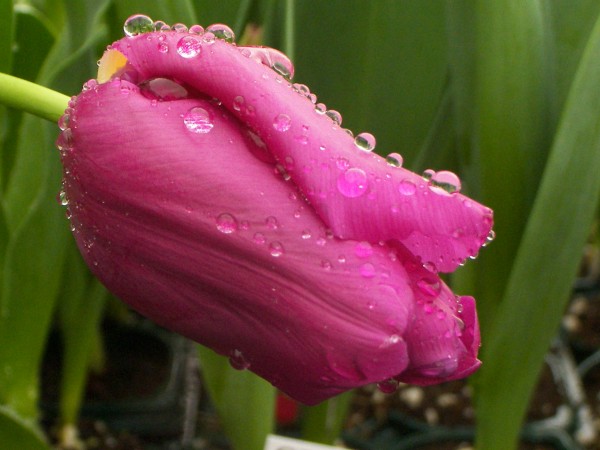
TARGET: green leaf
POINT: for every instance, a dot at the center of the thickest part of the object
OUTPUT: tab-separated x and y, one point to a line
32	273
547	260
324	422
16	432
245	402
381	64
80	313
6	35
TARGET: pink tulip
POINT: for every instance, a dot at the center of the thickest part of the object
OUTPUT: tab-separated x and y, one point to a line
211	195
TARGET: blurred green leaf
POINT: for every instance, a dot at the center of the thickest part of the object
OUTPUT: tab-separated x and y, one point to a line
324	422
16	433
31	282
381	64
245	402
547	261
80	312
6	35
502	82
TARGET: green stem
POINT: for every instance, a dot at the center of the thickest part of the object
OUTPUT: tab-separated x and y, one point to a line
32	98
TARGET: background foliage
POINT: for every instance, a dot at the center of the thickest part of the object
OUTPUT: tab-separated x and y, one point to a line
504	93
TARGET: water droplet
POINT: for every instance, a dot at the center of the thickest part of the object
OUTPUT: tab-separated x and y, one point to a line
238	103
226	223
407	187
367	270
163	47
335	116
208	38
430	286
159	25
365	141
388	386
320	108
259	238
196	29
138	24
448	181
276	249
363	250
179	28
282	122
62	198
63	122
237	360
221	31
272	222
198	120
306	234
189	47
325	264
163	89
490	237
352	183
428	174
441	368
394	160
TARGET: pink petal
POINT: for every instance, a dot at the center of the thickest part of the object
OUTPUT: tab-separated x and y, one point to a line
199	235
356	193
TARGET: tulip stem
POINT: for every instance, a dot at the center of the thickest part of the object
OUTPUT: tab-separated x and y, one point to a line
32	98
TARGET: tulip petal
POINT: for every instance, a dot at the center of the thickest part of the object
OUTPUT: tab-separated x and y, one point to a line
356	193
188	227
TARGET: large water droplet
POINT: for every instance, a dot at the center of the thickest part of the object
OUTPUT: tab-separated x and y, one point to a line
282	122
394	160
189	46
180	28
226	223
221	31
365	141
352	183
163	89
138	24
271	58
238	361
196	29
276	249
198	120
448	181
407	187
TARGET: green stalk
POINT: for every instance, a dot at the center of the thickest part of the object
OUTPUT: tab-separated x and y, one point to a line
32	98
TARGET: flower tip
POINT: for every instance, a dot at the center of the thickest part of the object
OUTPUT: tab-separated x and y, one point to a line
112	63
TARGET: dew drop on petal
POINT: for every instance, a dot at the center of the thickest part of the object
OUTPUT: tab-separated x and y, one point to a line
282	122
352	183
189	47
335	116
198	120
238	361
363	249
394	160
388	386
196	29
272	222
179	28
320	108
490	237
367	270
441	368
407	187
365	141
259	238
221	31
306	234
276	249
138	24
428	174
448	181
226	223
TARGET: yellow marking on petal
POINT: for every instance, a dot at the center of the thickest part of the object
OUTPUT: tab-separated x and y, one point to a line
112	63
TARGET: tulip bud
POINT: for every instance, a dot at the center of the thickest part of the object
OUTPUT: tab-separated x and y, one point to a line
222	201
